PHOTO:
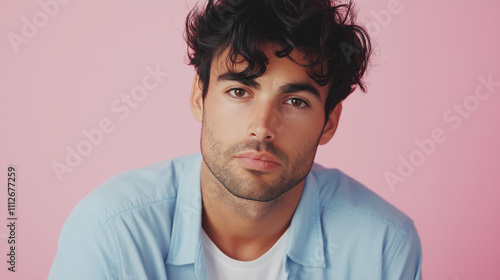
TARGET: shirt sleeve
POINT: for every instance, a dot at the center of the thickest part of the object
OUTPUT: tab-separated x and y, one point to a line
84	249
405	260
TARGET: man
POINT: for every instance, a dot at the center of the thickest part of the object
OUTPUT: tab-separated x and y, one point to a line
271	76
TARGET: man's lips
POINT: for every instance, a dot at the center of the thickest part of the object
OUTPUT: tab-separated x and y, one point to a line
258	161
259	156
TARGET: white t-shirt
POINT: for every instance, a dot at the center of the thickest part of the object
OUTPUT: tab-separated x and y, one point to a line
267	267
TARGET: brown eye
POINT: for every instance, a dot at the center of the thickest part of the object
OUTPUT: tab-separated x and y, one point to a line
237	92
296	102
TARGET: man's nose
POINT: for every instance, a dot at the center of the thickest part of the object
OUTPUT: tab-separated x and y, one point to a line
265	122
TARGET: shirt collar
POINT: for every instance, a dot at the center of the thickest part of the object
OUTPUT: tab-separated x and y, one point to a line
305	245
185	244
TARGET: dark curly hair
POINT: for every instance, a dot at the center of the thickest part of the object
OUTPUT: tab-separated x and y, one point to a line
324	30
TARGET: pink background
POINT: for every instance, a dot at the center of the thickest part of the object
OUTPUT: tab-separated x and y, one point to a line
86	54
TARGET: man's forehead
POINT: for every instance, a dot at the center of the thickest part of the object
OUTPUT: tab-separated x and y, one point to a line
222	61
297	72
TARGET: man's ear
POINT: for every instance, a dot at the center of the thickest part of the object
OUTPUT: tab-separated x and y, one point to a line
196	101
331	125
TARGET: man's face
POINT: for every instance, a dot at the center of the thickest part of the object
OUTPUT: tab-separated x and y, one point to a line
259	137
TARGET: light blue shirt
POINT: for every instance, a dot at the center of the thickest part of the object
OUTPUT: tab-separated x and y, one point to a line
146	224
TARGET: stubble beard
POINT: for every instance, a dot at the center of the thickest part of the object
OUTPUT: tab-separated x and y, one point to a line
253	188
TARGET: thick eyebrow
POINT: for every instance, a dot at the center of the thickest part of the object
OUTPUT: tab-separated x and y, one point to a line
286	88
299	87
231	76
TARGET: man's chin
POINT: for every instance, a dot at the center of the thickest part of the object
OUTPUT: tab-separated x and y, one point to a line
262	195
256	198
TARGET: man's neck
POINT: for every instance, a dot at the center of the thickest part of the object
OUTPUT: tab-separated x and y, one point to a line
244	229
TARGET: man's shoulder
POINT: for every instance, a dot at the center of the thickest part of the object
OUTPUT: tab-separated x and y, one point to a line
341	194
141	187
